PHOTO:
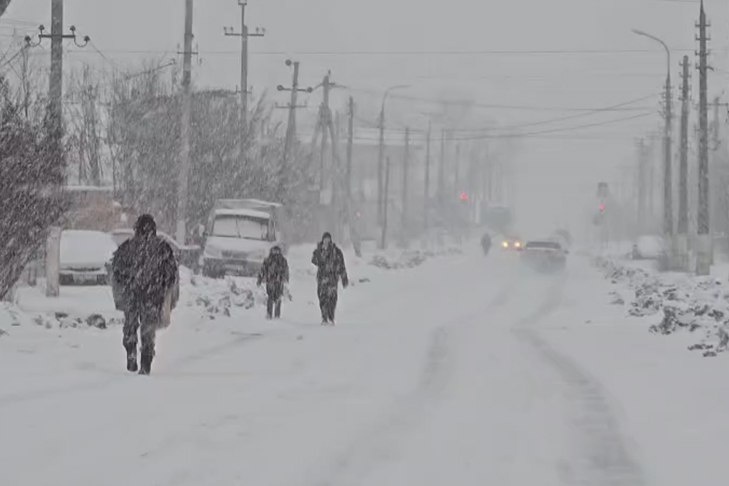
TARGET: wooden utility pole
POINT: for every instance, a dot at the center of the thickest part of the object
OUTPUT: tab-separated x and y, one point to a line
182	182
426	191
703	261
683	163
405	168
244	34
350	142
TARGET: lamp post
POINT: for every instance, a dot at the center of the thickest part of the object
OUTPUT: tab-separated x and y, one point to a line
381	153
667	180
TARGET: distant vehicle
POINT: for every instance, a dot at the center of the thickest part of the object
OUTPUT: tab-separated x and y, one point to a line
498	218
187	255
85	256
544	256
512	244
239	235
649	247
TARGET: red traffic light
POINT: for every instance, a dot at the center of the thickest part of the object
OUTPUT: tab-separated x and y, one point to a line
464	196
602	207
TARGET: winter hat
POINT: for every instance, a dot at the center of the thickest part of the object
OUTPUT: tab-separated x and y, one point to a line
326	235
145	225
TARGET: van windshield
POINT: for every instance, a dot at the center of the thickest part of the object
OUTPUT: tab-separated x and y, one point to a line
241	227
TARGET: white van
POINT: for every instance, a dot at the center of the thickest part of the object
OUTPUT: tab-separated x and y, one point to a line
239	236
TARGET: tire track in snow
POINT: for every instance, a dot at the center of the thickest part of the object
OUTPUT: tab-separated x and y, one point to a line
379	442
606	460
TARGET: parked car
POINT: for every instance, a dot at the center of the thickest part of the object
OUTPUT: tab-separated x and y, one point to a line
544	256
649	247
85	256
187	255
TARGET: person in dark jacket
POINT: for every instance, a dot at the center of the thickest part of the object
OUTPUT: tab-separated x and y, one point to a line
329	261
486	243
145	279
275	273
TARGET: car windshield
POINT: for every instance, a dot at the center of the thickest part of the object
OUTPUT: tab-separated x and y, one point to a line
241	227
543	245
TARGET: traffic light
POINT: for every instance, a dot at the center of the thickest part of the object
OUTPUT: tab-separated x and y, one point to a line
464	196
602	208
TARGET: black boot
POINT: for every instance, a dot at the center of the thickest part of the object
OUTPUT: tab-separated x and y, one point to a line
145	365
132	360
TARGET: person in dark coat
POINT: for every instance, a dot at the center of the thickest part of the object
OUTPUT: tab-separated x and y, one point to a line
275	273
486	243
329	261
145	280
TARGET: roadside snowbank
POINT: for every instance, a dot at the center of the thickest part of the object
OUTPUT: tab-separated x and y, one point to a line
675	302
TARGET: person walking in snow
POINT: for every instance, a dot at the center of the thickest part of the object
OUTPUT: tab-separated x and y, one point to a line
329	261
486	243
145	282
275	273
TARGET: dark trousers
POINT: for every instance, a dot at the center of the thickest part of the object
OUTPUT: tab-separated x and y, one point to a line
142	319
275	293
327	293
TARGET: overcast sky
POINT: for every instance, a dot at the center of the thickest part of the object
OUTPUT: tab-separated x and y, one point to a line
455	41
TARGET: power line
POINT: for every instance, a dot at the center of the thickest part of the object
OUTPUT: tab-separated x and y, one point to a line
555	130
492	106
561	118
512	52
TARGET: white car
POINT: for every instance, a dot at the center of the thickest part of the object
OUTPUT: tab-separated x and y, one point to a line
649	248
85	256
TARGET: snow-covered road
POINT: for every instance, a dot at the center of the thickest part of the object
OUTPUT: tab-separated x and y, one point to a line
463	371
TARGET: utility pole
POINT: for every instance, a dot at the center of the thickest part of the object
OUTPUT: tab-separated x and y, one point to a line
642	162
55	81
703	262
441	170
325	128
244	35
381	150
426	192
182	182
457	170
55	88
405	175
383	240
291	125
667	162
55	128
350	142
683	164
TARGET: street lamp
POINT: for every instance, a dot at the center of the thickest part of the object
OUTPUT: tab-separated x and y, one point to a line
380	156
667	183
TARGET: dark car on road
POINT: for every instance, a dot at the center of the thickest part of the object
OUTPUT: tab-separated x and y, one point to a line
544	256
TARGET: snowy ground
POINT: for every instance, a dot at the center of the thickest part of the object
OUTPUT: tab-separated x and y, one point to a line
461	370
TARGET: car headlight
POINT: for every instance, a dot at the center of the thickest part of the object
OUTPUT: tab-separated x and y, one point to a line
505	244
213	252
517	244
